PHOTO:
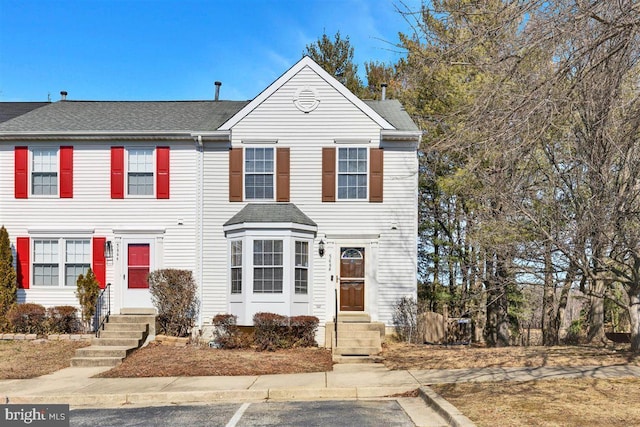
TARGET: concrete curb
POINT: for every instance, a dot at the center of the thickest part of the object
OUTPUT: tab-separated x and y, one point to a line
446	410
179	397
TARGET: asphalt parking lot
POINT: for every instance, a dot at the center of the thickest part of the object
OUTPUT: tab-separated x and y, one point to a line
319	413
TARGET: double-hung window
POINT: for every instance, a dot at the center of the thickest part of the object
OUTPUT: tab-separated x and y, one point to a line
259	173
352	173
74	255
46	262
44	172
302	268
140	172
236	267
267	266
77	260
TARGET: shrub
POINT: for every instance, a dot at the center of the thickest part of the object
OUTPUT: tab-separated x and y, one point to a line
63	319
271	331
87	291
27	318
8	288
575	333
227	334
174	294
302	331
405	319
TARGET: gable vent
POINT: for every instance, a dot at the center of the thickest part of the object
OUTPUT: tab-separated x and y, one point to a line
306	99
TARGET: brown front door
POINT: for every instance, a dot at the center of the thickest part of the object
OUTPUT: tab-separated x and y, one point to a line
352	279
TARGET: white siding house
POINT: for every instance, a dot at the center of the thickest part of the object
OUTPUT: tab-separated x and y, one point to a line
301	199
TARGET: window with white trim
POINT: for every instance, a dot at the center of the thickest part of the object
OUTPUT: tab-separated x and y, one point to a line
352	173
140	172
267	266
44	172
259	173
236	267
75	259
302	268
46	263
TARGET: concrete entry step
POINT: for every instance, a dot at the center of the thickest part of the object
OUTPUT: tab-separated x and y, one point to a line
353	316
139	311
104	351
357	359
95	361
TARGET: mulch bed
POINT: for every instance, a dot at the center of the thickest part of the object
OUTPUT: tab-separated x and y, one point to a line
165	361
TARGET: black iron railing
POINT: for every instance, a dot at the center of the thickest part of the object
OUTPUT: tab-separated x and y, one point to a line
102	309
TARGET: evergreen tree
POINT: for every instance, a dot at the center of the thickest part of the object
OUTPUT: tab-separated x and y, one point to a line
336	58
8	288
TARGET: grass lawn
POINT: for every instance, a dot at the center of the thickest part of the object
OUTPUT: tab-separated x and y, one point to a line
29	359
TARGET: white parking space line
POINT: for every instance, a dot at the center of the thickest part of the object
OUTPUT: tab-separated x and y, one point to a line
236	417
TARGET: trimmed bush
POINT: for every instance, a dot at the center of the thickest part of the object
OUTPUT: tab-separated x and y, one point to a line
227	335
302	331
271	331
174	294
27	318
63	319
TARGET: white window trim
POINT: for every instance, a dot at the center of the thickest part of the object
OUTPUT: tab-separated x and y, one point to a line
244	174
43	235
30	172
367	173
154	171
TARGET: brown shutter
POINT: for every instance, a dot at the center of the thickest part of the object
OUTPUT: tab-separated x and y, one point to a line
235	175
376	175
282	169
329	174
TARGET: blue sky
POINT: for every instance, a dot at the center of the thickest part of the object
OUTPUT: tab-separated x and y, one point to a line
176	49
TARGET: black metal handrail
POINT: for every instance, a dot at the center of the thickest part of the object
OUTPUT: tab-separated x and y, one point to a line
102	309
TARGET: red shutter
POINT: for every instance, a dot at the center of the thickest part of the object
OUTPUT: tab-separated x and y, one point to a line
117	172
328	174
98	263
235	175
282	169
376	177
162	172
21	183
66	172
23	252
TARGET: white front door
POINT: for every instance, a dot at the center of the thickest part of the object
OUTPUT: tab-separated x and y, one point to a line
138	261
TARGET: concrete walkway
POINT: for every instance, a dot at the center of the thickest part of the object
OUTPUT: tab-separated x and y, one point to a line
75	386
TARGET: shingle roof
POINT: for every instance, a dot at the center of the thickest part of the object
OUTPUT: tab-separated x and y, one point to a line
393	112
10	110
103	116
271	212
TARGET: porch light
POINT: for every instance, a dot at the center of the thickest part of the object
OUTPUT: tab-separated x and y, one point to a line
108	249
321	248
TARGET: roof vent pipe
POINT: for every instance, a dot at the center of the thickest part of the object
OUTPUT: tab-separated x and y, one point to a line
218	84
384	91
63	95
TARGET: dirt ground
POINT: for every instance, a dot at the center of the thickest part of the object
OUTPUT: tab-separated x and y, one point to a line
30	359
408	356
